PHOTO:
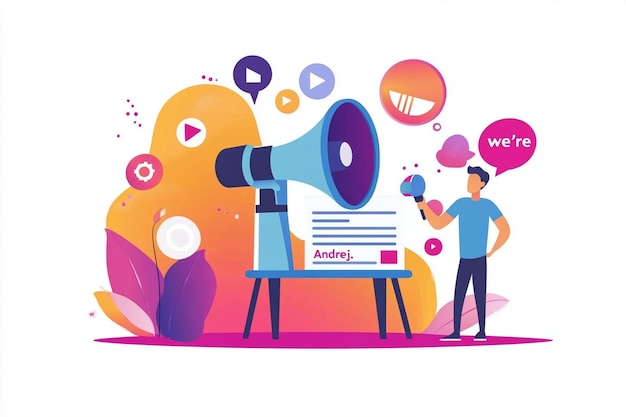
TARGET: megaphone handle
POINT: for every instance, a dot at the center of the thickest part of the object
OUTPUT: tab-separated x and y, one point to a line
419	198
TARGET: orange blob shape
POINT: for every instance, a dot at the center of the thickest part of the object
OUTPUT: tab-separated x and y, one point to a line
225	218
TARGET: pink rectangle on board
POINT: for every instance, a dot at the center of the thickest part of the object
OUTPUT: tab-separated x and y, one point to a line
388	256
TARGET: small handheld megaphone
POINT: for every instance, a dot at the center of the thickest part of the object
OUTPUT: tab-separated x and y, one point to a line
414	185
339	156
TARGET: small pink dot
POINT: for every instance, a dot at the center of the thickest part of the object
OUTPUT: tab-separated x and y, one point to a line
129	196
127	113
210	78
123	203
219	209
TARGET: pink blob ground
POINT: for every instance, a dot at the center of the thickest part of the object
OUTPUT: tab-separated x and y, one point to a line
333	340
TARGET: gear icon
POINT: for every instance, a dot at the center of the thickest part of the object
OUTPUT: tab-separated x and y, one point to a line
144	172
147	177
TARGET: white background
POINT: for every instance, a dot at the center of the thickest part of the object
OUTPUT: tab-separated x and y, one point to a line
66	69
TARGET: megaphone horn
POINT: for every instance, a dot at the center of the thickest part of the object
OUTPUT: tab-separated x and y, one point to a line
339	156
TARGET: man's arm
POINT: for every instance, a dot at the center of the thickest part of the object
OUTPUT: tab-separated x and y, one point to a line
437	222
504	231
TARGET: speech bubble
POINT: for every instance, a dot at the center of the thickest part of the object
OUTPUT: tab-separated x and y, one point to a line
454	152
252	74
507	144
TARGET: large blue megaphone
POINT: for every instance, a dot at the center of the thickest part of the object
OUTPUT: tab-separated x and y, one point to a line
339	156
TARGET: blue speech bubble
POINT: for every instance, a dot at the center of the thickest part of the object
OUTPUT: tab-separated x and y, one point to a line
252	74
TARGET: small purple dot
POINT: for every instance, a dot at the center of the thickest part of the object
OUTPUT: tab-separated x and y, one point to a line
403	167
135	121
139	124
127	113
210	78
118	135
438	170
415	165
136	113
132	105
128	100
203	77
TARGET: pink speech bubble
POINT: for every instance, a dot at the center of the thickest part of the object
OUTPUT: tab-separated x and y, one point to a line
455	152
507	144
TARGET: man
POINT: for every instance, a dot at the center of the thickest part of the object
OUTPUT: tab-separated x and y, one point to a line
474	213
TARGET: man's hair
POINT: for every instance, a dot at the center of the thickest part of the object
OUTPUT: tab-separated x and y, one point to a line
484	176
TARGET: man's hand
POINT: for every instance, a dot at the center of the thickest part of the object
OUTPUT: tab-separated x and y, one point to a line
437	222
504	231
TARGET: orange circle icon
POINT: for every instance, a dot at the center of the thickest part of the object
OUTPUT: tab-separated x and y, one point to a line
413	92
287	101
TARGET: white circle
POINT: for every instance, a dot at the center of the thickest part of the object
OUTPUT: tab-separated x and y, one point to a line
178	237
191	132
345	154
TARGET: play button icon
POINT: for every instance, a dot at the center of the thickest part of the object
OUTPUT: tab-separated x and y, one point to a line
287	101
317	81
433	246
191	132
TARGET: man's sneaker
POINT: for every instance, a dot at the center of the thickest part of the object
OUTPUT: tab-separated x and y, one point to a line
454	337
480	337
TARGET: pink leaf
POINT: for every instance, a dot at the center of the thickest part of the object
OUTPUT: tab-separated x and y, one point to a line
133	274
443	322
125	312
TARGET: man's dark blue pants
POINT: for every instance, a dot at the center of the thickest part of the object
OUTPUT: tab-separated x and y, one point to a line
476	269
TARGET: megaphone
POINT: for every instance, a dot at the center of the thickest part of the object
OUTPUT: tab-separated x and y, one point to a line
339	156
414	185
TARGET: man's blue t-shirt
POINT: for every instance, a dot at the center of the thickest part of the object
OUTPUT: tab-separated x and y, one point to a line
473	224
